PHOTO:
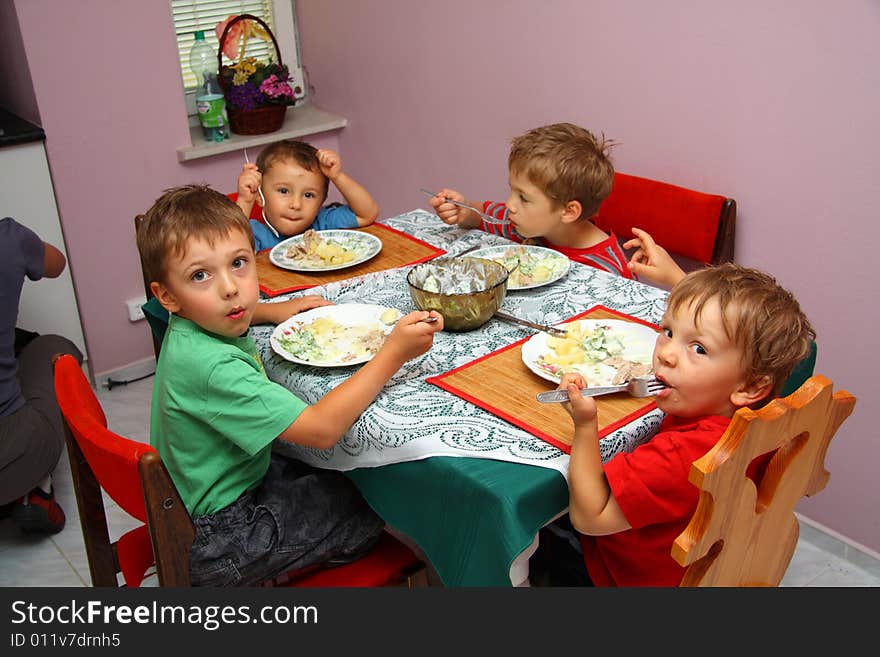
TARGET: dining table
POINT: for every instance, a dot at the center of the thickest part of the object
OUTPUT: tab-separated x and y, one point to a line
468	482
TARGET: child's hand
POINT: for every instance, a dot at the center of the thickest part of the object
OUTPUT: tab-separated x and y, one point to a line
249	181
582	409
449	213
275	313
331	164
412	337
651	261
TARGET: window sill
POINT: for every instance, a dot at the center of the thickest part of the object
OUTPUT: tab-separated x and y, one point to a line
300	120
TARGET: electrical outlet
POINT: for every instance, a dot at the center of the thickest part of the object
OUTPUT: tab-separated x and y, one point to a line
135	312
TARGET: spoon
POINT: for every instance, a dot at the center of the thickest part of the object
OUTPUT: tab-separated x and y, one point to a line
263	199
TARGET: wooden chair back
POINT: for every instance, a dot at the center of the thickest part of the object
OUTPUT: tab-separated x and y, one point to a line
694	227
133	475
148	293
744	532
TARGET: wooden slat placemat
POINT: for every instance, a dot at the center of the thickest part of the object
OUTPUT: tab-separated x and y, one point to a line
501	384
398	250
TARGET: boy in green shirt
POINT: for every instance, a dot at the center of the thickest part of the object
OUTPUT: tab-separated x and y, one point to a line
215	413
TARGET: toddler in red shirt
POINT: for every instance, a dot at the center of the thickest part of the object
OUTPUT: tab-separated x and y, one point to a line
730	337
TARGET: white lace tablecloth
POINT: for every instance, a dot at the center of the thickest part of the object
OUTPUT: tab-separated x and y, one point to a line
412	419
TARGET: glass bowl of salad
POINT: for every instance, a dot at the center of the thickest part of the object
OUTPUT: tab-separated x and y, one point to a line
466	291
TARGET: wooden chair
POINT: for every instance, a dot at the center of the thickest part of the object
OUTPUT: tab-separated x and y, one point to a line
695	228
133	475
151	312
744	532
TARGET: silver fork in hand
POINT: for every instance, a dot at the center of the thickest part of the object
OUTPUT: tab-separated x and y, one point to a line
635	387
488	218
263	199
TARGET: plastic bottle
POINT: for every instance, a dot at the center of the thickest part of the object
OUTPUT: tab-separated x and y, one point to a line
209	97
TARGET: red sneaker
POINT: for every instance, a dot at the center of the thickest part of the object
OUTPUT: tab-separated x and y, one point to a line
39	513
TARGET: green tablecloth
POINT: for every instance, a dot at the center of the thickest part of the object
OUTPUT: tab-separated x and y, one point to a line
471	516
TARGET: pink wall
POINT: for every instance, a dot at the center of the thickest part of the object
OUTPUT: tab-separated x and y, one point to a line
775	104
16	92
772	105
114	117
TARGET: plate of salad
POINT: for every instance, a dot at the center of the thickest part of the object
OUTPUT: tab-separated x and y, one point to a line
605	351
334	336
325	250
528	266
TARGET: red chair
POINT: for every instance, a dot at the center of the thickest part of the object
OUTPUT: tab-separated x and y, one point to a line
256	210
695	228
133	475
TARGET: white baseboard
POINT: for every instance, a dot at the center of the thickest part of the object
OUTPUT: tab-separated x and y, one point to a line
840	537
127	373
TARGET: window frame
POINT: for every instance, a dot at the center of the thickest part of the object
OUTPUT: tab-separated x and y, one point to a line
286	33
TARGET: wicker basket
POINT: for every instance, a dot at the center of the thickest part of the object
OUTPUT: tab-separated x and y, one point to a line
260	120
257	121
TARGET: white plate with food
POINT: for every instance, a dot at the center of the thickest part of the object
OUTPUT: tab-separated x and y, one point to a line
334	336
605	351
325	250
528	266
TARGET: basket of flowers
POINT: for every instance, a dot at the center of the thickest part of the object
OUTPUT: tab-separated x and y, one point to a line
257	93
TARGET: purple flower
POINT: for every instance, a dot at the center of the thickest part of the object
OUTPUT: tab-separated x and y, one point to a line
243	97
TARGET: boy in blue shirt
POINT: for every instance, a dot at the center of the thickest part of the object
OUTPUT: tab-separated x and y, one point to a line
215	414
290	181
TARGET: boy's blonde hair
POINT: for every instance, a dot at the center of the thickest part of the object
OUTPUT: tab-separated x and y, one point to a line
763	319
292	150
177	215
566	162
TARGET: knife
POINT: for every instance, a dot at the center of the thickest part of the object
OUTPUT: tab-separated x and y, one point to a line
552	330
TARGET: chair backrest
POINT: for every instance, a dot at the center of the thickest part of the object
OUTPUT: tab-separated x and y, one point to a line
133	474
744	532
256	210
694	227
156	315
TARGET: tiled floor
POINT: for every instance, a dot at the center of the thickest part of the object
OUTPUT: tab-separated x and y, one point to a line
60	560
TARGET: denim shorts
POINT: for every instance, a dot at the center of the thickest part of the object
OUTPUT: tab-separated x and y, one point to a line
298	516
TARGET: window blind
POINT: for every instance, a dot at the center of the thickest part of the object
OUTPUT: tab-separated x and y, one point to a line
193	15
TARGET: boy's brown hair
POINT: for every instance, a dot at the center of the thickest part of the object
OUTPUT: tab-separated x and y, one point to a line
292	150
763	319
177	215
566	162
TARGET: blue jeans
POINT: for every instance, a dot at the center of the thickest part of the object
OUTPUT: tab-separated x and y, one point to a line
297	517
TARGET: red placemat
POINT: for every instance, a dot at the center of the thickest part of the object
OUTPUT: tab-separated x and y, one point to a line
500	383
398	250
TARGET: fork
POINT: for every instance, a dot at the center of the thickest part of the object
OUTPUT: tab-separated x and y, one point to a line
635	387
552	330
486	217
263	199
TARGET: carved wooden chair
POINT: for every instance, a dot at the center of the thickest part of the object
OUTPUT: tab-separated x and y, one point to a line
744	532
133	475
694	227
